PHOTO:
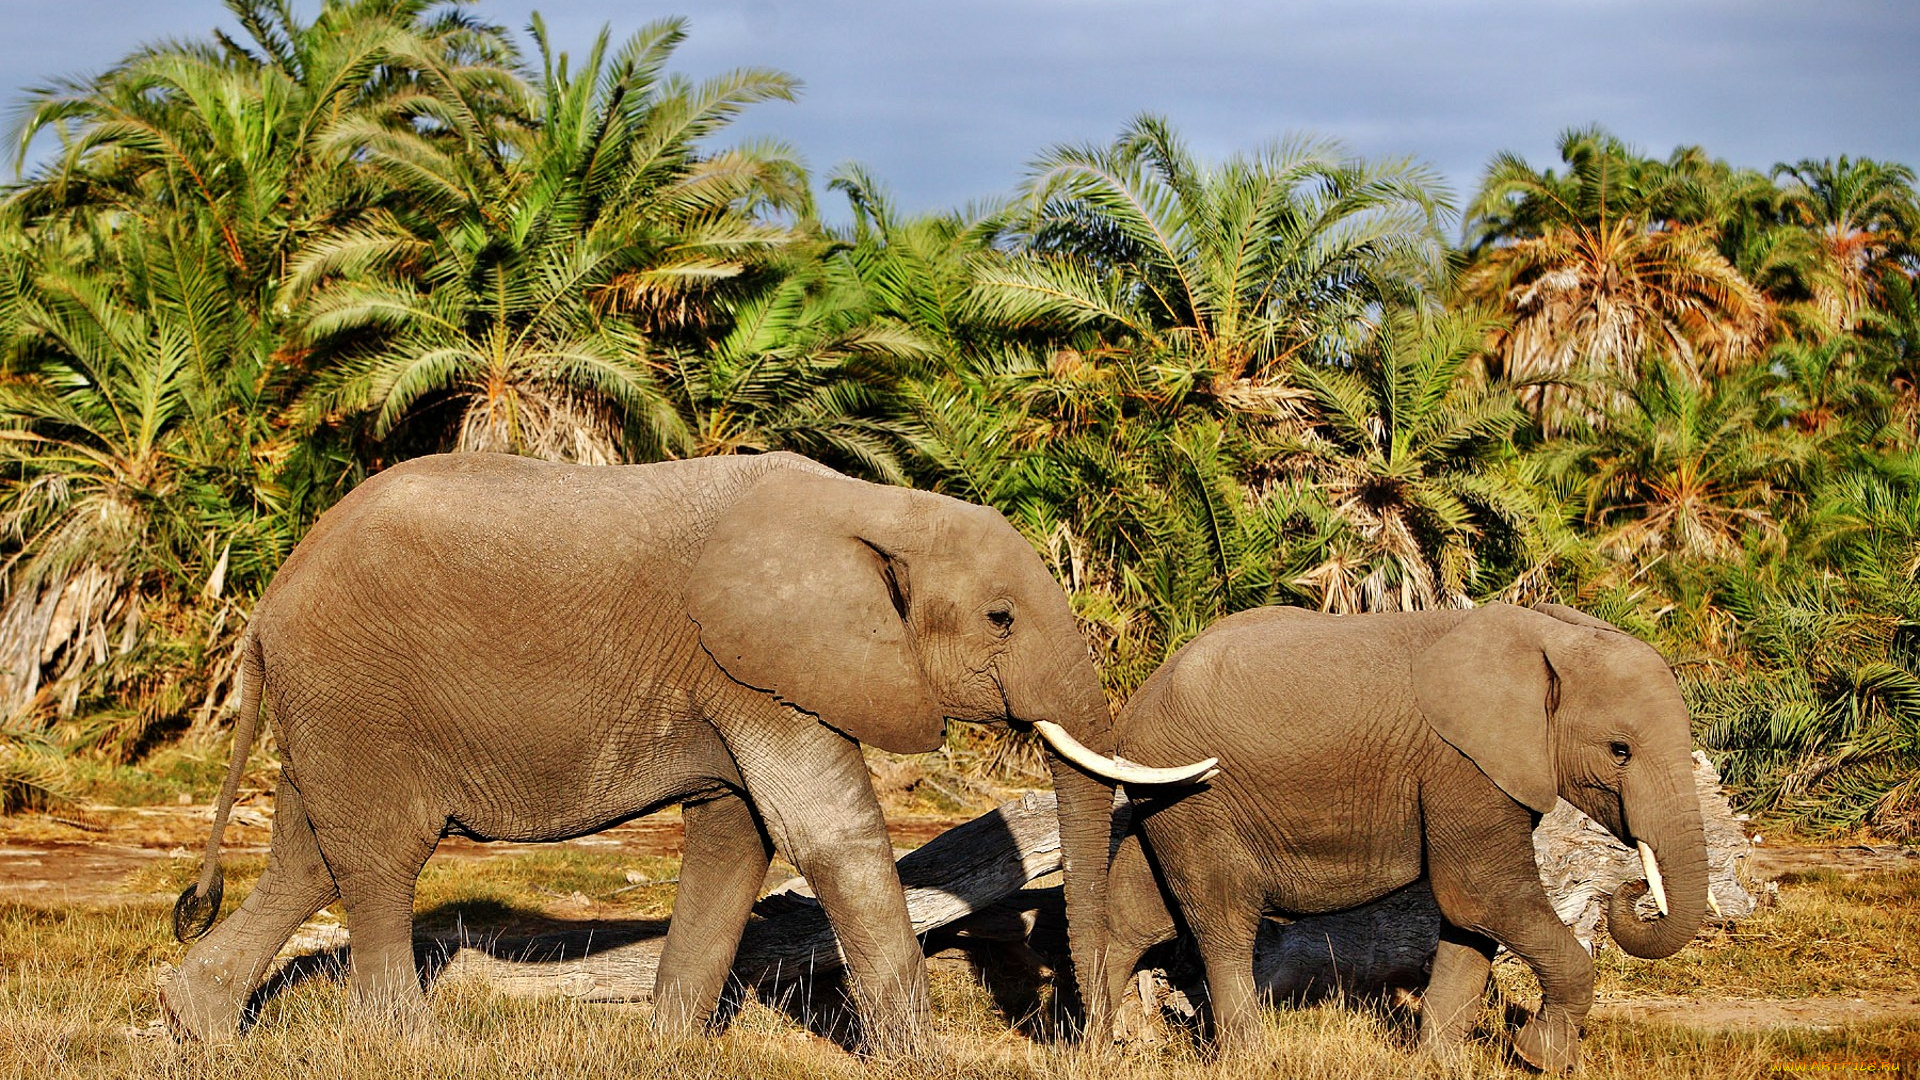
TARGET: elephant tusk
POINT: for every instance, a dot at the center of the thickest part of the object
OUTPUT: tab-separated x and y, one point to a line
1652	867
1715	905
1119	769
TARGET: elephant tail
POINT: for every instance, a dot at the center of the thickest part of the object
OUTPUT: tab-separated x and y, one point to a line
198	906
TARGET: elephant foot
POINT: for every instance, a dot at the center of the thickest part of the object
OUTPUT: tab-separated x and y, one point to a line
1239	1046
675	1025
1550	1045
679	1016
1446	1056
203	1002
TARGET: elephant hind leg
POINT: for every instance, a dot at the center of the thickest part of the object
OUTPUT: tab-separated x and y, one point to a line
1226	937
207	998
1223	910
376	872
1220	888
721	872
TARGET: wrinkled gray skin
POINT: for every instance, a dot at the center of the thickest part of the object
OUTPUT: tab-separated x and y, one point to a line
1362	752
518	650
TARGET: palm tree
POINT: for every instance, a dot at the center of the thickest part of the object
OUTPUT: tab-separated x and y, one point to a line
1682	467
1743	210
128	436
524	294
1594	279
968	408
1831	389
1890	332
236	134
802	365
1864	214
1399	451
1188	543
1217	281
916	272
1820	725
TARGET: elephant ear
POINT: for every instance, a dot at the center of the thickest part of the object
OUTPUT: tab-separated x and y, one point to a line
1484	688
797	595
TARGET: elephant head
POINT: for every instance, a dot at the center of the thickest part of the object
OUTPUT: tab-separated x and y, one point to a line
1551	702
885	611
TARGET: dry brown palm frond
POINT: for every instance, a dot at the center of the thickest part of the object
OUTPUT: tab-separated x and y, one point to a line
1698	524
542	421
1588	304
54	628
1267	398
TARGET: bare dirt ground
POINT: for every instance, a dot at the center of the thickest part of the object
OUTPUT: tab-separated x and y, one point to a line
1724	1015
1768	863
90	858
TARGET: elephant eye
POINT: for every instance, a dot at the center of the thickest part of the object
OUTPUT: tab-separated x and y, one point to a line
1622	753
1002	619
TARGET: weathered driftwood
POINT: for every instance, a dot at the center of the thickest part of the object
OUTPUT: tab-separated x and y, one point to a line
964	871
970	881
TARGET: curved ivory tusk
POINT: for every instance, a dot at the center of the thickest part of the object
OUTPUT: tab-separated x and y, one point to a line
1652	867
1118	769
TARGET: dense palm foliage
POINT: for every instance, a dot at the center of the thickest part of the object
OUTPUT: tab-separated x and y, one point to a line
1680	394
1598	271
517	289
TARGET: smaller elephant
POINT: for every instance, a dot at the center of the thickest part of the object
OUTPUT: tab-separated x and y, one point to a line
1361	754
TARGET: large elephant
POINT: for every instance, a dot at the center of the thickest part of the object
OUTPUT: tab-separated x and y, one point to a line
517	650
1361	753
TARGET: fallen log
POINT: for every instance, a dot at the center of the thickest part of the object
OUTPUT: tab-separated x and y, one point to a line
963	872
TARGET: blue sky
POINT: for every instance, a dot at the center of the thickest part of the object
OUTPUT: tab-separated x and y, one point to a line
947	101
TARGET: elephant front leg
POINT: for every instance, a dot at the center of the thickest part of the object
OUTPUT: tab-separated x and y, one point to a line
810	786
721	872
1550	1041
1455	990
1487	882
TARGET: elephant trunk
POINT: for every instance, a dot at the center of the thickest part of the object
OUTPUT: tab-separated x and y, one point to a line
1086	841
1070	696
1673	852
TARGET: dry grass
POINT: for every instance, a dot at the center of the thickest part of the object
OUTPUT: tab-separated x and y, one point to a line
77	1000
1828	935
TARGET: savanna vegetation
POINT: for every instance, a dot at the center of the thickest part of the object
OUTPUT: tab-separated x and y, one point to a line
241	272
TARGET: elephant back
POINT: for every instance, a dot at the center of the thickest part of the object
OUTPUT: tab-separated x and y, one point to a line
1269	686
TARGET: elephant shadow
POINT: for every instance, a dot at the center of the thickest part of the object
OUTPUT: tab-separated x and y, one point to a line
1013	949
1174	977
